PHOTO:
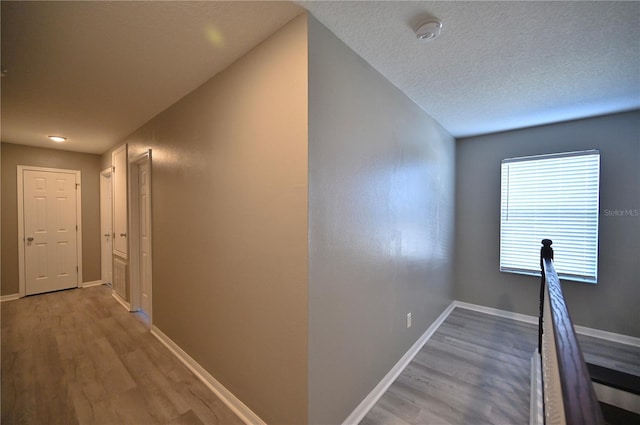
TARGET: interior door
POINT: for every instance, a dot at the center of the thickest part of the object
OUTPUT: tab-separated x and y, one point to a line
120	225
145	235
106	227
50	226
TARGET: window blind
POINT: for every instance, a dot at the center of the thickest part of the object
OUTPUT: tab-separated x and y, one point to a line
551	197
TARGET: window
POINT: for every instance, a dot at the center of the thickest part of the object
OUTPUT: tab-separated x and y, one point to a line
551	197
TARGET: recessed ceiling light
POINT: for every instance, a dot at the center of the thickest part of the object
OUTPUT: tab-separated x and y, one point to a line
429	30
57	139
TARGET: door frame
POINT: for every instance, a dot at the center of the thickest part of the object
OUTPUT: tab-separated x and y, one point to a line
134	229
21	237
121	194
108	205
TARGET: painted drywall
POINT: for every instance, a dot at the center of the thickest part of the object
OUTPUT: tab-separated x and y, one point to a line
89	166
229	222
612	304
381	180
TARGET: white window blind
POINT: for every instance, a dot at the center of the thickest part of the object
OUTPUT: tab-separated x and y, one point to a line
551	197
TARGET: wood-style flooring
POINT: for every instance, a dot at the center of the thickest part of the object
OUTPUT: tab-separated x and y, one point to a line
475	370
78	357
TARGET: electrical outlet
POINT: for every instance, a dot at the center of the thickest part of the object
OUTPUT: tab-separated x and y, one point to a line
408	320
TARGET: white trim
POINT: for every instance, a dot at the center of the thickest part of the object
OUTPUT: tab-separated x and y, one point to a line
535	403
21	272
495	312
20	190
9	297
134	231
144	156
115	178
238	407
582	330
92	283
365	405
121	300
619	398
106	215
609	336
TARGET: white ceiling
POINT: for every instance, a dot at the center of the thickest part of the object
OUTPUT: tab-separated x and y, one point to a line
500	65
96	71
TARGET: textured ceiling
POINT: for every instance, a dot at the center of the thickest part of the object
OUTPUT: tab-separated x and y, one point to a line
499	65
96	71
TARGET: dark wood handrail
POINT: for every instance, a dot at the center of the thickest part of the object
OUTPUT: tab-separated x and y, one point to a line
581	405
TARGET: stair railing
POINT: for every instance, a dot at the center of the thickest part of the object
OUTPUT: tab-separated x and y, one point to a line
568	397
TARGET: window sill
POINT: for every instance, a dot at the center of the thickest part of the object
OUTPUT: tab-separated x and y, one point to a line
560	275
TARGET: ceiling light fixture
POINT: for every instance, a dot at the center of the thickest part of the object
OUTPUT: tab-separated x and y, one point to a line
429	30
58	139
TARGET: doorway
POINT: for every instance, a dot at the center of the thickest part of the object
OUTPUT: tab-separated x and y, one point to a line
106	227
49	230
141	258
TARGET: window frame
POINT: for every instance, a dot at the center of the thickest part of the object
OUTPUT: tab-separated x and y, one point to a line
588	219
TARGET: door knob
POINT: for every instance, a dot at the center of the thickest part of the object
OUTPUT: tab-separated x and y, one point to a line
124	235
106	235
30	239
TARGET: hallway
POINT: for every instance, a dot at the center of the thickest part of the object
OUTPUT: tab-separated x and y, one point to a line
78	357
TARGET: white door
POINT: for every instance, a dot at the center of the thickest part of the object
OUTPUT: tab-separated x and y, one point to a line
144	192
106	227
50	226
120	224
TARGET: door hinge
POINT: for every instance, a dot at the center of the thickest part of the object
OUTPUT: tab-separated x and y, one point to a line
77	269
77	185
113	168
76	227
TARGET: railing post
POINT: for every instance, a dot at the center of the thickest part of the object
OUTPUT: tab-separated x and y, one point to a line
545	252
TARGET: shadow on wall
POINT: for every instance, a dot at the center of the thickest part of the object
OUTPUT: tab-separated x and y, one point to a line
505	303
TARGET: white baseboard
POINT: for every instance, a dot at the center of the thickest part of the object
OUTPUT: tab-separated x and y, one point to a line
121	300
365	405
609	336
495	312
238	407
92	283
9	297
582	330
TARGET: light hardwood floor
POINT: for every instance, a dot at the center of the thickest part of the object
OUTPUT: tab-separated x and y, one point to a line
78	357
475	370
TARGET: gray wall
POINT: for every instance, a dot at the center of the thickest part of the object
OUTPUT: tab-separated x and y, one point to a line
229	220
89	166
612	304
381	183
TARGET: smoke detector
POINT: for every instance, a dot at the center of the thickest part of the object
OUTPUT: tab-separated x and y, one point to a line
429	30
